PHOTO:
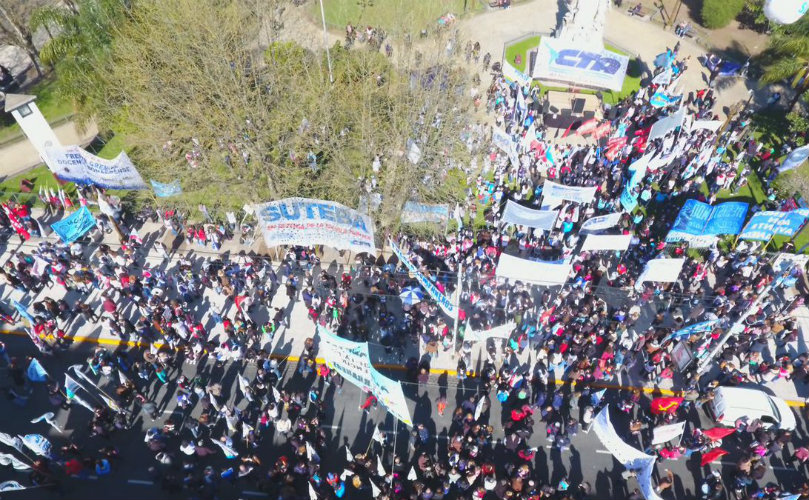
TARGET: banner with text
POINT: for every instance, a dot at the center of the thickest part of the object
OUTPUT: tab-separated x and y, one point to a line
75	225
74	164
578	194
532	271
764	225
498	332
301	221
563	61
413	212
443	301
600	223
618	242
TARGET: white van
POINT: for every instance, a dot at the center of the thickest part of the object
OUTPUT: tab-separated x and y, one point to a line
731	403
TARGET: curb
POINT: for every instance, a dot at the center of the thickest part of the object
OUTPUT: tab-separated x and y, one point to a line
435	371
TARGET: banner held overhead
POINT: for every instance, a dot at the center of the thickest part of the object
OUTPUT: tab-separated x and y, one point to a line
77	165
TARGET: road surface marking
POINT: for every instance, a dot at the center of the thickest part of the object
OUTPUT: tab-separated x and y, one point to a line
604	452
140	481
254	493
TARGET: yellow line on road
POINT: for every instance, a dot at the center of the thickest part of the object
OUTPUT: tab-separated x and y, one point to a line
294	359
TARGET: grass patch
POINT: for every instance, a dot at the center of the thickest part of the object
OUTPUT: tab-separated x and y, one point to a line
391	15
521	48
52	106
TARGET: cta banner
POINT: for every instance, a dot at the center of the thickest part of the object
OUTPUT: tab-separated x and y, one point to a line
443	301
563	61
578	194
74	164
306	222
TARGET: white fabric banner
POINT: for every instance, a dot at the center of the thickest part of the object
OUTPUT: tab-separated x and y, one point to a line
531	271
513	74
301	221
502	140
350	359
389	393
443	301
414	212
582	64
498	332
664	270
600	223
74	164
712	125
665	433
579	194
665	125
794	159
520	215
628	456
607	242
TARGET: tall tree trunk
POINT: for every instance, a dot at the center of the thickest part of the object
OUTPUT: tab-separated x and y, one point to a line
23	36
798	94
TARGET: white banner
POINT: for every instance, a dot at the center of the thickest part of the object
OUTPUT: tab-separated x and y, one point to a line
389	393
579	194
350	359
443	301
531	271
414	212
628	456
513	74
794	159
665	433
502	140
607	242
712	125
600	223
563	61
520	215
301	221
74	164
665	125
664	270
498	332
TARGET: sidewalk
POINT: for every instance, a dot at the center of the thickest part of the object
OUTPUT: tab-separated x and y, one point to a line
288	342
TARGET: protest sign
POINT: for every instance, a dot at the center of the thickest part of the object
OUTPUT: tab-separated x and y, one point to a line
523	216
162	190
305	222
764	225
532	271
663	270
618	242
498	332
75	225
700	219
74	164
443	301
664	433
704	326
595	224
582	64
502	140
578	194
629	199
413	212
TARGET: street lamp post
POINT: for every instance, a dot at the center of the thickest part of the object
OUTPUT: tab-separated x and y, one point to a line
326	41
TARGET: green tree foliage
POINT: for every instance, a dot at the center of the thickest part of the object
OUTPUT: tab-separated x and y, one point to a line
199	98
81	33
719	13
787	58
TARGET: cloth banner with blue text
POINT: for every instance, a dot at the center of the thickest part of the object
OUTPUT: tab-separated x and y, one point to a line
75	225
764	225
523	216
164	190
443	301
421	212
74	164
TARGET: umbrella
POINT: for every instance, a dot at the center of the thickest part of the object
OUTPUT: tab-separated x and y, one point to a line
411	295
718	433
712	456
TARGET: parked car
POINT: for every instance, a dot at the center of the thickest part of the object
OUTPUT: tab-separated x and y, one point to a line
732	403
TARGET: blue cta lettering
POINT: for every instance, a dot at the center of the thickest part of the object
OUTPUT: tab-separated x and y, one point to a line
587	60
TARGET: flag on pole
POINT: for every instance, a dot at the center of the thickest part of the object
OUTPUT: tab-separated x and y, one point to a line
375	490
35	372
712	455
37	443
479	407
276	394
349	456
412	474
596	397
49	419
111	404
14	442
380	469
666	405
718	433
9	459
228	450
312	492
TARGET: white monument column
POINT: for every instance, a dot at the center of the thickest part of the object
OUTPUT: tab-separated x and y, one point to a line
23	108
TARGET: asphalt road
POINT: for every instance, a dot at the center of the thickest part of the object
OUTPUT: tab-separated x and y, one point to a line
585	461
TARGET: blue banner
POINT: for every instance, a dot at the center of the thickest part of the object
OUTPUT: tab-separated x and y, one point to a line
628	200
421	212
689	330
764	225
165	190
661	100
23	311
698	219
36	372
75	225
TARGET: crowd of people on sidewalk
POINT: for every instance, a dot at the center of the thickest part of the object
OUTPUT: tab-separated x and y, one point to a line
589	330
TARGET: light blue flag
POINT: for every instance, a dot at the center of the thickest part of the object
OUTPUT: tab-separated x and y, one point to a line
36	372
75	225
661	100
162	190
23	311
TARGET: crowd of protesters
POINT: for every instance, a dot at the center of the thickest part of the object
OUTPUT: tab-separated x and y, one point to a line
586	331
